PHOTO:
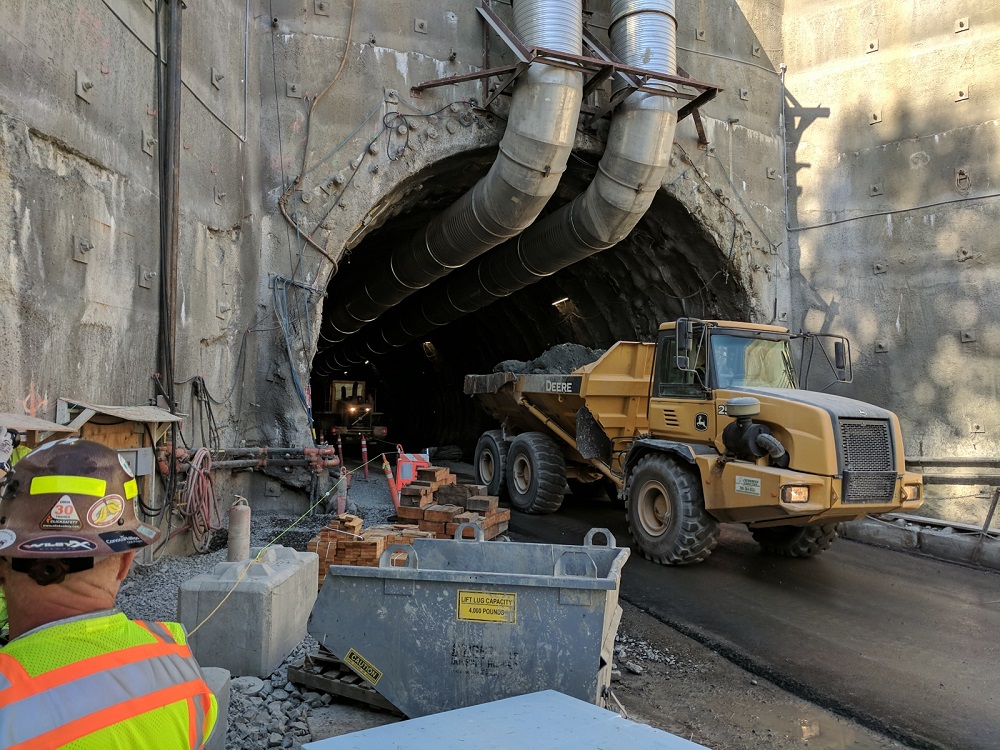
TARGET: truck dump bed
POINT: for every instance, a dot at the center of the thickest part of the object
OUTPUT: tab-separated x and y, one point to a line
614	389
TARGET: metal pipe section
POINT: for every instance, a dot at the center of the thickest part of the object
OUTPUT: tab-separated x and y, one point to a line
643	33
534	150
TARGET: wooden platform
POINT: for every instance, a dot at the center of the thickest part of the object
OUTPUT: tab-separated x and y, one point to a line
324	672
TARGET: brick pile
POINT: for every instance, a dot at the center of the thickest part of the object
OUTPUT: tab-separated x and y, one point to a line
437	503
432	506
343	542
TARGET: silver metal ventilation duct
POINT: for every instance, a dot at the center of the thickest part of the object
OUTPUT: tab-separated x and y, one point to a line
643	34
536	145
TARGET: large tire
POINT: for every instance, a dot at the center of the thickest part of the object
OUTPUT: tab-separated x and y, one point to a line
491	461
796	541
665	511
536	474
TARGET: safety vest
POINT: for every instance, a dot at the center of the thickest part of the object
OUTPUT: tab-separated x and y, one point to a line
103	682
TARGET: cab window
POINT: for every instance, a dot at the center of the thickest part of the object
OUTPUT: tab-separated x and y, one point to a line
674	382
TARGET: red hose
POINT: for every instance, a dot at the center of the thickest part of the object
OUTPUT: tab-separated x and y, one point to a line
200	507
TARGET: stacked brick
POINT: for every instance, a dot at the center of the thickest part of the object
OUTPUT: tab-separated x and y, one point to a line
437	503
432	506
342	542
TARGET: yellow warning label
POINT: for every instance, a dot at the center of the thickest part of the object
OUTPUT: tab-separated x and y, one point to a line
487	606
363	667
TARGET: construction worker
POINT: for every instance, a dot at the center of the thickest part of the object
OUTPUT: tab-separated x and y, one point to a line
76	671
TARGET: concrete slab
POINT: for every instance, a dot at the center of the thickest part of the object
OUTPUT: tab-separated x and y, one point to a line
545	719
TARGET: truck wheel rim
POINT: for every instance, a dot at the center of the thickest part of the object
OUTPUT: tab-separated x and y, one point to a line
487	468
653	509
522	474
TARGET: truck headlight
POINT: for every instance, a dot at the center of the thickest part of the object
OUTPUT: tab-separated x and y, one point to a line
911	492
352	409
795	494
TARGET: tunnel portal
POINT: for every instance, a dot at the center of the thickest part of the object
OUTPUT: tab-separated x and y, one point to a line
667	267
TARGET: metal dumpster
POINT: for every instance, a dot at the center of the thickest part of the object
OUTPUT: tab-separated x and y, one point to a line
463	622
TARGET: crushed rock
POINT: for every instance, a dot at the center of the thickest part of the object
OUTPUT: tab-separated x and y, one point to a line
560	359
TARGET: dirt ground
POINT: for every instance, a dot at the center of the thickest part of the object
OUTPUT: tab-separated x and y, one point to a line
689	690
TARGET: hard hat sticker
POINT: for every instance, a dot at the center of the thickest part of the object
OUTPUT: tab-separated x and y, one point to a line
58	545
63	515
124	463
146	531
7	538
122	541
106	511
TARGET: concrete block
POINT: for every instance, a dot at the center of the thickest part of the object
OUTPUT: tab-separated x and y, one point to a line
988	554
948	545
264	616
893	535
219	680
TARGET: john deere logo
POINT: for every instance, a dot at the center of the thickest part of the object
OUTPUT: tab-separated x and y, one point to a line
701	421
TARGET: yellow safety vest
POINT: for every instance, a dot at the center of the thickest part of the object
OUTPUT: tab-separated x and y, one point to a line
103	682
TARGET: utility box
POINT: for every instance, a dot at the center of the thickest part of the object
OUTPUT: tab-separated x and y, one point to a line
463	622
263	619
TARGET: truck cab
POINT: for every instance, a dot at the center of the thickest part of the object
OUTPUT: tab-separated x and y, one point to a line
717	388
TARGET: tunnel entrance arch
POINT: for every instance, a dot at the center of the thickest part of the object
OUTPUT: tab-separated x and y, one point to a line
670	265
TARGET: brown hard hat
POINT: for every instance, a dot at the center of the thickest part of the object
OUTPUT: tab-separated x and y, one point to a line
71	498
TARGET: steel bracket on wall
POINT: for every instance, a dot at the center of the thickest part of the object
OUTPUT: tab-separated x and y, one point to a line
599	65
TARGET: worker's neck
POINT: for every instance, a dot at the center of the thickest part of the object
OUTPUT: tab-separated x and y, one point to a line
45	609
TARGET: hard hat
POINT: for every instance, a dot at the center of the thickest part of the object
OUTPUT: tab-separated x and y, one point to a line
71	498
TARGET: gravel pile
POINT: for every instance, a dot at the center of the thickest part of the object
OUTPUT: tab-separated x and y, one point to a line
272	712
268	713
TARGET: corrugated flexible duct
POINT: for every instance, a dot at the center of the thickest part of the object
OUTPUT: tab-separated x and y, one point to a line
643	34
534	150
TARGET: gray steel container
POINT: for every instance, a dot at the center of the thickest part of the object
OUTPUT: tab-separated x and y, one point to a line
463	622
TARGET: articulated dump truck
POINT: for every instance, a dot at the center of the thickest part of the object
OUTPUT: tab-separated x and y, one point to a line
706	426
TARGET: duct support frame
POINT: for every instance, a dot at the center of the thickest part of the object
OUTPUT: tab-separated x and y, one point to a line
602	64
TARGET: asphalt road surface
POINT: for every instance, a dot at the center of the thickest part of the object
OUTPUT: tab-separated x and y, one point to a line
904	644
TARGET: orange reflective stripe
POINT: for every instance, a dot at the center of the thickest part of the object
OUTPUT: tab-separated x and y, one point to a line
74	730
86	667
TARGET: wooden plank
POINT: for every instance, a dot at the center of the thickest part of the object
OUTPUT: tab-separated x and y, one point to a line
333	686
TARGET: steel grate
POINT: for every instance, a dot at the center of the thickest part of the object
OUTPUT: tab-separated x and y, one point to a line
869	474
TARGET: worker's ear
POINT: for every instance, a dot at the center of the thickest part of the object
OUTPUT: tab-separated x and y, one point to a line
124	563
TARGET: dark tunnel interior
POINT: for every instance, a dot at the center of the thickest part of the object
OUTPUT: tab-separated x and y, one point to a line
667	267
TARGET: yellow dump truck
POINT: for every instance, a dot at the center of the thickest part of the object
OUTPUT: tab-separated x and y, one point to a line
707	425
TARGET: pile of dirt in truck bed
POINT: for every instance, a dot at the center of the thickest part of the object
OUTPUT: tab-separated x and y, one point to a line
560	359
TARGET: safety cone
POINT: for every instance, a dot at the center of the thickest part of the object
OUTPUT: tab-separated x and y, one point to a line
393	492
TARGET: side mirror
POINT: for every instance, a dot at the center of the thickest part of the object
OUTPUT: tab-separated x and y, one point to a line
685	335
683	363
840	360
